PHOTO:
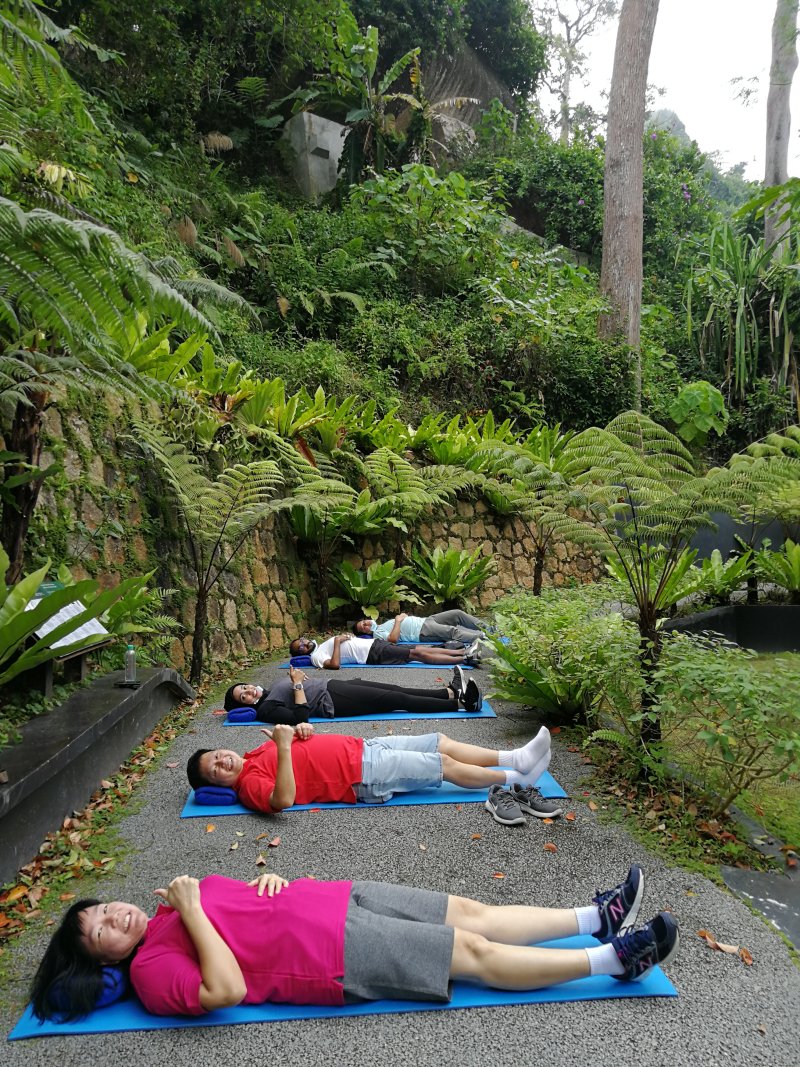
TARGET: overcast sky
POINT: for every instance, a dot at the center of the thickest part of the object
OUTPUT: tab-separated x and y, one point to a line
699	46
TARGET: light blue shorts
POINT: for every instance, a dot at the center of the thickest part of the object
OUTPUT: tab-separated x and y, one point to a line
398	765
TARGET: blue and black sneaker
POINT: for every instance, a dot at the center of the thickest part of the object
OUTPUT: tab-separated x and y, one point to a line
640	950
619	906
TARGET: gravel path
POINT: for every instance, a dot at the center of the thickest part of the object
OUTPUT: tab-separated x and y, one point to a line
726	1013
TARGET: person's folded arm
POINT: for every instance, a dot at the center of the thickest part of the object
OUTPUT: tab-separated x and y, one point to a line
275	711
223	983
285	791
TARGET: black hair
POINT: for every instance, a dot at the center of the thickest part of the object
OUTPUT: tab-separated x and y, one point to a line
292	650
68	981
193	772
355	629
230	700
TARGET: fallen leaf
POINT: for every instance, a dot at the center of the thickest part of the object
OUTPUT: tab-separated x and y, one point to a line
172	766
15	894
240	833
690	893
675	800
592	806
423	848
745	956
234	846
761	1028
104	782
261	862
260	837
547	822
219	711
210	828
573	748
555	729
476	837
274	842
570	816
550	847
67	896
498	874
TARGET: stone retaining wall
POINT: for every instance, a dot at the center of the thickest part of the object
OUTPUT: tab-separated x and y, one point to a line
107	518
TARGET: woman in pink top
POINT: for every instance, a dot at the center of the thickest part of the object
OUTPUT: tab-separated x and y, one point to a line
220	942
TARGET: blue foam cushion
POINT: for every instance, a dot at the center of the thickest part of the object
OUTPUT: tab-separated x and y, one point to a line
214	795
115	985
300	661
242	715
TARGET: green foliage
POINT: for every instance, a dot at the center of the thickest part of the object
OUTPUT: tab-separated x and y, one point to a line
720	578
445	228
740	303
451	575
782	568
567	654
738	724
370	590
19	621
698	409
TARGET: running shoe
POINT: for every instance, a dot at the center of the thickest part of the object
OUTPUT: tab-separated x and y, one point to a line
640	950
531	800
502	807
458	683
471	697
619	906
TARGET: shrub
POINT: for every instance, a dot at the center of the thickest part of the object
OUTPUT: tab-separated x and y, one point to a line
566	653
369	590
782	568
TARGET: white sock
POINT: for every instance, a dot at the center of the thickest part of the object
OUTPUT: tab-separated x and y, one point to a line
532	776
588	919
604	960
523	759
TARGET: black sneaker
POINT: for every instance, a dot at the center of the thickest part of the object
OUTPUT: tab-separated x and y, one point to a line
640	950
471	697
531	800
473	661
619	906
458	683
502	806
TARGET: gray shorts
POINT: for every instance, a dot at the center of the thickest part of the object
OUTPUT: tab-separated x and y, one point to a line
396	764
396	945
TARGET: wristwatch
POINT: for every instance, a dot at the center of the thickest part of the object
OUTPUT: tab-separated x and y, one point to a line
297	685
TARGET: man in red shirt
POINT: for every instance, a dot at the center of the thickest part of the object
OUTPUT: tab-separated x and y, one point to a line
298	767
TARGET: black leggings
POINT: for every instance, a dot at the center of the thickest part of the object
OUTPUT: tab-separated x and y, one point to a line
360	697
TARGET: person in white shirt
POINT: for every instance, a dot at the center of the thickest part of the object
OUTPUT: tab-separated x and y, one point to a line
347	649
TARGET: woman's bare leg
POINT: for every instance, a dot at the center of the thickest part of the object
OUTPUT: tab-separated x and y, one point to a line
470	776
510	924
514	966
464	753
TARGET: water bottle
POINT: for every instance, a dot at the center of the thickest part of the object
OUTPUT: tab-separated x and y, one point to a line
130	665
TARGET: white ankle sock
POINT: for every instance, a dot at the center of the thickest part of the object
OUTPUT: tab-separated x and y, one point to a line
604	960
523	759
588	919
529	777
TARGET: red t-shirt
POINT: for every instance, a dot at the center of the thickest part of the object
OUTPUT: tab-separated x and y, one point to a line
290	947
326	767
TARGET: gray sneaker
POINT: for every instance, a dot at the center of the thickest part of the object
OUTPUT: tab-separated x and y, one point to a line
502	807
529	799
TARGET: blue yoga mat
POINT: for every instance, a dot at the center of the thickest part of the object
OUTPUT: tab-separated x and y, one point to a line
388	666
130	1015
445	794
486	712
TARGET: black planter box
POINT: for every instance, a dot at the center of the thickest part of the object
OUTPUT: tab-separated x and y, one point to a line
64	754
762	627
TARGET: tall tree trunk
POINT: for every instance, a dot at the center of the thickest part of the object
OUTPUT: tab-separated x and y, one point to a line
621	270
566	89
779	118
25	437
199	635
